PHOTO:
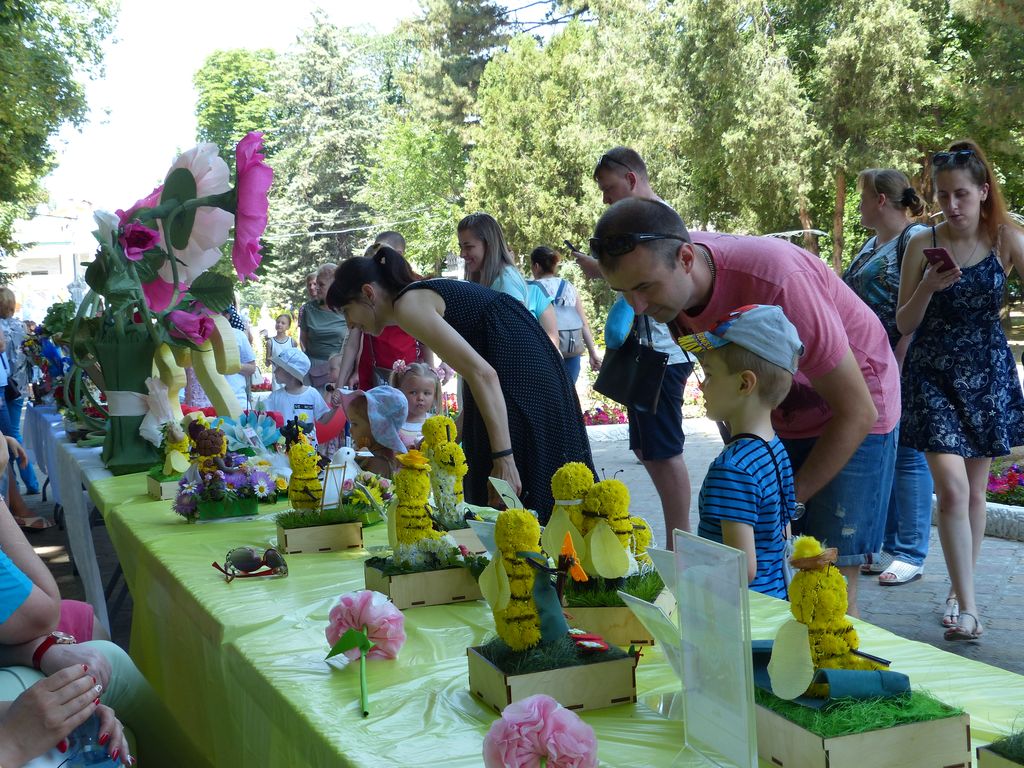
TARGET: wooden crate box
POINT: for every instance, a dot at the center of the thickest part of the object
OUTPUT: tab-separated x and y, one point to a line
168	489
618	625
451	585
590	686
320	538
989	759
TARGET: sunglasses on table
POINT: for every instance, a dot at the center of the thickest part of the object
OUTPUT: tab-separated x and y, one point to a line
954	158
244	562
619	245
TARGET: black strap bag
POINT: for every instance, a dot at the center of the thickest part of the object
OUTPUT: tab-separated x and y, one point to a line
632	374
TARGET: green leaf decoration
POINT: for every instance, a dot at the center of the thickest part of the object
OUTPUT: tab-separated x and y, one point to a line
494	584
216	292
96	275
181	186
606	553
554	534
353	638
150	263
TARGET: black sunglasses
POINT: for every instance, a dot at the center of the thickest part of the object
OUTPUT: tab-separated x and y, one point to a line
244	562
606	158
955	158
619	245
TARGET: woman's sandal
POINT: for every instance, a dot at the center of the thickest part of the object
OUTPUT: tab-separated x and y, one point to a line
951	616
959	632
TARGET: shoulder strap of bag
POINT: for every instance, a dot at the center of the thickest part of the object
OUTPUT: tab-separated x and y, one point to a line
901	245
775	463
561	288
647	327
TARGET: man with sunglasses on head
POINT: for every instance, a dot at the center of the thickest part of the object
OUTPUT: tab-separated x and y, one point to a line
840	421
656	438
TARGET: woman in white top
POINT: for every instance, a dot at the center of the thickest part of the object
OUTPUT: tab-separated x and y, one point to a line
573	328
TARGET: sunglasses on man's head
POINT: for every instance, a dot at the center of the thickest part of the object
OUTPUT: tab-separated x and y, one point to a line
606	159
243	562
954	158
619	245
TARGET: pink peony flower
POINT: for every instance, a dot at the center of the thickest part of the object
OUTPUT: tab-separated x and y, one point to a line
254	179
211	227
384	623
158	293
539	727
194	328
136	238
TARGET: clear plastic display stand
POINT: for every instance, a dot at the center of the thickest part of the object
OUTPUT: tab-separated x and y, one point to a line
718	677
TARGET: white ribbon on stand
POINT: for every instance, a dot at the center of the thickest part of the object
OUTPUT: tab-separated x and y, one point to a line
154	406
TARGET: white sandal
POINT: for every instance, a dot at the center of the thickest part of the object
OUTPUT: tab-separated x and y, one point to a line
901	573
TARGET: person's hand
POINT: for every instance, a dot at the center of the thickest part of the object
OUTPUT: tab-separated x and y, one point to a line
336	398
46	713
595	361
588	264
15	451
353	381
111	736
935	281
60	656
445	372
504	469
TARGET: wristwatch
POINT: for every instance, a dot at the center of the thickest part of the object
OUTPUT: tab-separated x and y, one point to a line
54	638
799	509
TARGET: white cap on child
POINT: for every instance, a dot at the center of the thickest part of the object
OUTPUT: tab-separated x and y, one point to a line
293	360
762	329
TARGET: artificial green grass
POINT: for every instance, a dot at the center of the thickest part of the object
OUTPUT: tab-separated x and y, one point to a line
157	473
386	565
1011	747
603	593
310	518
542	658
850	716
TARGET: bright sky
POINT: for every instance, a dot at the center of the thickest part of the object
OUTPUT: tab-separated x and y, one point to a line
142	113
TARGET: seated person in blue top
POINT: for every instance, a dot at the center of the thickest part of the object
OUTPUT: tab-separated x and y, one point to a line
747	497
50	683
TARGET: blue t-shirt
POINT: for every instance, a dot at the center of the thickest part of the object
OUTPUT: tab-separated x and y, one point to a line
15	587
742	486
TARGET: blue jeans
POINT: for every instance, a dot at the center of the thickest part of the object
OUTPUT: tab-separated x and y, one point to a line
909	520
572	367
849	512
28	474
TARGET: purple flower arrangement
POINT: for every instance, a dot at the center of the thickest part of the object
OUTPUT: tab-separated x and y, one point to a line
239	482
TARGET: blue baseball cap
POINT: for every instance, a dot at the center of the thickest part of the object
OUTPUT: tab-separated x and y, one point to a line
762	329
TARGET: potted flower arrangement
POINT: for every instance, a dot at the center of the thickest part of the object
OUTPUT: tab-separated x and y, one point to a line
1006	752
535	650
219	494
612	547
425	567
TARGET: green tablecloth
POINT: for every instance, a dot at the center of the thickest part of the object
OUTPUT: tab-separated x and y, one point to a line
242	663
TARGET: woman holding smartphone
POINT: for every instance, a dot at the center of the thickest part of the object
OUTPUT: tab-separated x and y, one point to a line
962	403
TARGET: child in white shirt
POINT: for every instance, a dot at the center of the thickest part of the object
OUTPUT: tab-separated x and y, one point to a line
421	386
295	399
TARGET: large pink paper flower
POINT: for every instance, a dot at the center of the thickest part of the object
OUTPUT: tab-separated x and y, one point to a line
194	328
254	179
539	727
384	623
137	238
211	227
158	293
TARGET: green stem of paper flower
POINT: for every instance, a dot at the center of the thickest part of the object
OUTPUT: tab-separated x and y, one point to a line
168	223
143	307
364	692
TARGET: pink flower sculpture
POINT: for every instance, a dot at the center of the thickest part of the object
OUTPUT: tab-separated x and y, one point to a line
136	238
152	200
254	179
385	624
194	328
158	293
539	727
210	230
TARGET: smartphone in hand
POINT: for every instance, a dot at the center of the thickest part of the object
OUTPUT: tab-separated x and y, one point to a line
571	247
939	257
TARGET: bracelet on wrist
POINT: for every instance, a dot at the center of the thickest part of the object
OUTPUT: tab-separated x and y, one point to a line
501	454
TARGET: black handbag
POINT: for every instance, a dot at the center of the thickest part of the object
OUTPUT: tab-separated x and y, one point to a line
11	391
632	374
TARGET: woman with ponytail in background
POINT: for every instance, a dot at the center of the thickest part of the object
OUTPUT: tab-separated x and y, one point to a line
962	400
521	416
888	204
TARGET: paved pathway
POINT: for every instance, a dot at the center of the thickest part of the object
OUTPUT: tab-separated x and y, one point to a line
910	610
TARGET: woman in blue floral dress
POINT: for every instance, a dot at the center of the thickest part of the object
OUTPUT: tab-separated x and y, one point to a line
962	399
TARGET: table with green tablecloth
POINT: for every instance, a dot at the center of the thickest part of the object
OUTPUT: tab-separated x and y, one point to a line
243	665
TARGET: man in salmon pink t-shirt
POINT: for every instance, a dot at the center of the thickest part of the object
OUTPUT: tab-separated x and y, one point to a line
840	421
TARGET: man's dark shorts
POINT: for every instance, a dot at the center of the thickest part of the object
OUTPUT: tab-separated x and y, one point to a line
659	435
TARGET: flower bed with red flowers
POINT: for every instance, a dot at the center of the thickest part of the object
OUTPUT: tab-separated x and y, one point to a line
1006	485
604	414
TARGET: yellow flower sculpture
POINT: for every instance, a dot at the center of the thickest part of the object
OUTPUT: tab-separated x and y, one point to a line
412	491
817	598
437	430
568	487
518	623
305	490
608	500
449	467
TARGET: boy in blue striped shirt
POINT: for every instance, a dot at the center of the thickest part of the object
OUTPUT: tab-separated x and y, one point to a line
747	498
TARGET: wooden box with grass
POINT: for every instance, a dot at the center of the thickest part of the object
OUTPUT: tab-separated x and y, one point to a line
940	742
989	758
588	686
161	490
411	590
618	625
301	531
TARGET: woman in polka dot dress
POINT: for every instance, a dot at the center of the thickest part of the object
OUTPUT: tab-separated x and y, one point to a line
521	418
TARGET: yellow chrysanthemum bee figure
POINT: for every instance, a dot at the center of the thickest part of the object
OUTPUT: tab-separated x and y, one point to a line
608	500
568	487
304	488
449	466
642	538
436	430
412	491
518	622
817	598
